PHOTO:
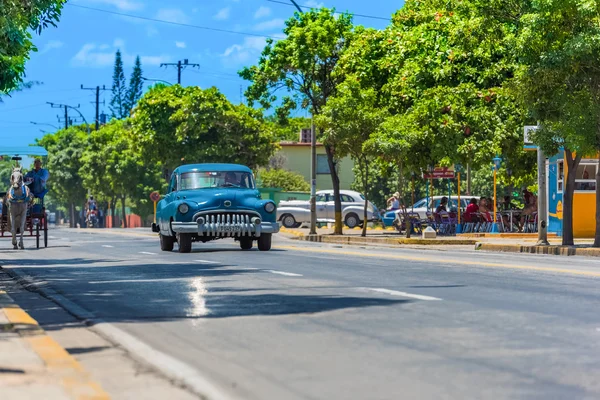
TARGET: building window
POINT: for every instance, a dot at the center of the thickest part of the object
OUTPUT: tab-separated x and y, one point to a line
560	173
322	165
585	176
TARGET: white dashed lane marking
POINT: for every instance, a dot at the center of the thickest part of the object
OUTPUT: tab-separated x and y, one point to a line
403	294
281	273
147	253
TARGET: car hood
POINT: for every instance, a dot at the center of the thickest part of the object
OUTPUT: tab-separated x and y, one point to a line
216	199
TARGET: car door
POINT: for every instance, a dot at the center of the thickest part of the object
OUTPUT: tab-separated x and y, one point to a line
322	201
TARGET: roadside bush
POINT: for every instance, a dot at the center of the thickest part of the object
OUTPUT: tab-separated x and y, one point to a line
283	179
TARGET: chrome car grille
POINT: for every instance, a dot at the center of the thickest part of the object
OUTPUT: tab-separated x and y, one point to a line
227	223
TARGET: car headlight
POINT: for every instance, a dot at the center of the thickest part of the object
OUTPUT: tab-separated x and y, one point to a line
270	207
183	208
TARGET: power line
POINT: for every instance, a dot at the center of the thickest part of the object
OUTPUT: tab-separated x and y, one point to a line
349	13
37	104
171	22
97	89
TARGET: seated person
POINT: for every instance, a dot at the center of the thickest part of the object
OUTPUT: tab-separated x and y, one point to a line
471	212
443	205
37	178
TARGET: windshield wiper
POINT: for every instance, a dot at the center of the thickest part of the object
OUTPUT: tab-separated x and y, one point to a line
229	184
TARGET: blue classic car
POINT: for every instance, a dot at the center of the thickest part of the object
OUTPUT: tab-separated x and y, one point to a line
214	201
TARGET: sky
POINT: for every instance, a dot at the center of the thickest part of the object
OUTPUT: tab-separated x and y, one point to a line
81	51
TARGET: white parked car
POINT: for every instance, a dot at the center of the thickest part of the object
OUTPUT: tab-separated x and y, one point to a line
293	214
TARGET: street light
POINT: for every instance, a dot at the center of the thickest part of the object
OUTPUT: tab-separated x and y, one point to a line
43	123
458	169
156	80
497	161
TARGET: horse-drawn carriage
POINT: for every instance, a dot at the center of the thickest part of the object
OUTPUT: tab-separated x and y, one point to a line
36	218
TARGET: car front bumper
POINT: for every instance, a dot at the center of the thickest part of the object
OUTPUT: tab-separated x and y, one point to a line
224	229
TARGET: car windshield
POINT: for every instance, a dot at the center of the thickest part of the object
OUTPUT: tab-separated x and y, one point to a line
215	179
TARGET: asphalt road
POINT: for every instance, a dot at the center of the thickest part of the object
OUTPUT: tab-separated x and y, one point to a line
312	321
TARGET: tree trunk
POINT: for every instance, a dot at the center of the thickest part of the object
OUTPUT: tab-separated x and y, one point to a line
365	191
567	228
123	211
468	179
335	181
72	216
113	212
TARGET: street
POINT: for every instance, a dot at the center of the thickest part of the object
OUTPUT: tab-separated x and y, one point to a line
317	321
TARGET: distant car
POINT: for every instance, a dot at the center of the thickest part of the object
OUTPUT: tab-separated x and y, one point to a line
293	214
421	207
214	201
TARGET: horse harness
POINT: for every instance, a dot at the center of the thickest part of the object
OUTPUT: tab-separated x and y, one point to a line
24	197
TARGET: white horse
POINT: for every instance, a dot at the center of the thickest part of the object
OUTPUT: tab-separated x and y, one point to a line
19	198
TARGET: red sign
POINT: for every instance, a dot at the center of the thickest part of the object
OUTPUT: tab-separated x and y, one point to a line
155	196
440	173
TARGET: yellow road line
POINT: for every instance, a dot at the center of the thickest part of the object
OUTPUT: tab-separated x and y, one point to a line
430	259
73	377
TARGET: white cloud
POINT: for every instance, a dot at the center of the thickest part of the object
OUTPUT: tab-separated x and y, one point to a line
262	12
123	5
51	45
180	45
99	56
276	23
244	52
172	15
223	14
313	4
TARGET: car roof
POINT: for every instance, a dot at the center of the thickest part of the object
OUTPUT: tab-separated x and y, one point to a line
214	167
348	192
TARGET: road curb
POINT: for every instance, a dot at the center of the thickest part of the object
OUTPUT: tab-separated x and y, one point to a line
74	379
359	240
549	250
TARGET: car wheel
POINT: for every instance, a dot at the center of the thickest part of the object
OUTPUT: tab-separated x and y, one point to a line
289	221
246	243
352	220
264	242
185	242
166	242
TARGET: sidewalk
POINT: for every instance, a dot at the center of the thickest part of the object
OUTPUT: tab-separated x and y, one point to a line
35	366
506	243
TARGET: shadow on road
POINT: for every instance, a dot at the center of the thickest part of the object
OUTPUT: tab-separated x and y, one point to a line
159	292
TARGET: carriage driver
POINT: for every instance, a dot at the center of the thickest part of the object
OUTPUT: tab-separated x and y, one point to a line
37	179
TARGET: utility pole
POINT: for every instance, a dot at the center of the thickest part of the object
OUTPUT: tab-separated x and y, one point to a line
313	165
67	107
542	200
180	66
97	89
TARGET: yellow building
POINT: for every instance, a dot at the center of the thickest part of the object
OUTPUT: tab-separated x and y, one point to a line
295	157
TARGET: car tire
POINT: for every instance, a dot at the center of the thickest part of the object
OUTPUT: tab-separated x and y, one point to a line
289	221
352	220
246	243
264	242
166	242
185	242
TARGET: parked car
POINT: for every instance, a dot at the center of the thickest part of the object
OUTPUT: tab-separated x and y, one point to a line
421	207
214	201
294	213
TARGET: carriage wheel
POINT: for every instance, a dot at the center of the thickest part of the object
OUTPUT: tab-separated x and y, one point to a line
37	235
45	230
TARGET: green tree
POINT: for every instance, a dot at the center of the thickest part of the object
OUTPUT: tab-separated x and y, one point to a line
118	101
65	150
115	170
560	84
173	124
282	179
349	119
136	85
287	129
18	21
304	63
